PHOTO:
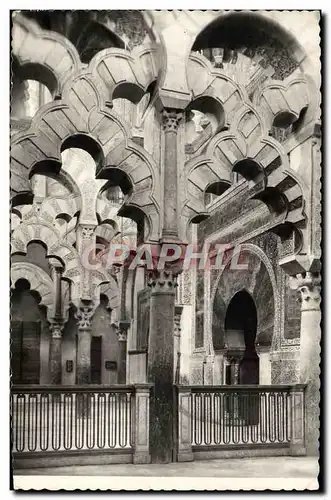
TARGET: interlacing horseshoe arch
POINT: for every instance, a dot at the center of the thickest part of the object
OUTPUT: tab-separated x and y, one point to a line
245	145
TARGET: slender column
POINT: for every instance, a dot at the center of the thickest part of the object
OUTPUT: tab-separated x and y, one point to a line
177	353
161	365
55	349
171	119
84	317
309	286
122	335
56	326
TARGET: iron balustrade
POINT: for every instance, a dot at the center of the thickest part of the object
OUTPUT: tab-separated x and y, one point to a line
241	415
71	418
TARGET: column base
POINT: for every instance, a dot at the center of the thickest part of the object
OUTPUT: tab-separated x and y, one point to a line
185	456
141	458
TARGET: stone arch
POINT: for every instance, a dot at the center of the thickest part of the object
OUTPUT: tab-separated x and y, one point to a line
206	81
39	280
112	293
282	103
249	29
272	181
91	126
256	282
52	207
54	61
48	235
126	74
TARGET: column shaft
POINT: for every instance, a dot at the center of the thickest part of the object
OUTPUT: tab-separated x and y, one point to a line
83	370
310	337
55	353
171	119
122	335
161	366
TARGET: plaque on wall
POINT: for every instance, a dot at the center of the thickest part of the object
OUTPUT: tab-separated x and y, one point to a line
110	365
69	366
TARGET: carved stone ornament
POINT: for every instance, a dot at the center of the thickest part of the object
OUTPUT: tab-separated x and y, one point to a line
163	281
171	119
84	317
309	286
56	330
122	330
87	232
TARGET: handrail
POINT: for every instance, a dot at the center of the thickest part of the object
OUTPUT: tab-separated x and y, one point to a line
49	389
242	388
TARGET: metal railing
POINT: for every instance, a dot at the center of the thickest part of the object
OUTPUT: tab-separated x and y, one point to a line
241	415
49	418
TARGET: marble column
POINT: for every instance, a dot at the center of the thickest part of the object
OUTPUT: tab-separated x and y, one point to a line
55	350
56	325
177	352
309	286
122	335
170	119
83	371
161	365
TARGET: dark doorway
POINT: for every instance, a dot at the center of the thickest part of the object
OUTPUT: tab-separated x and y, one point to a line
96	356
25	333
240	328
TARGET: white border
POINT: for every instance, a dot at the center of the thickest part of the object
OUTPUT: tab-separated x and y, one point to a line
4	202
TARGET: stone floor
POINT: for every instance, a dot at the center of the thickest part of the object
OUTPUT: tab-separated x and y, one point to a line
273	467
241	474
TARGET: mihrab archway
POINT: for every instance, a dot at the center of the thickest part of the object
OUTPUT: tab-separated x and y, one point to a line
240	333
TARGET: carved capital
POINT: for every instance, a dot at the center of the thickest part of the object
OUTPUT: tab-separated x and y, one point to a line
84	317
87	232
56	330
309	286
122	330
171	119
163	281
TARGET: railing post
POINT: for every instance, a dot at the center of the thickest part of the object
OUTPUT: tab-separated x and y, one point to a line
184	445
140	423
297	402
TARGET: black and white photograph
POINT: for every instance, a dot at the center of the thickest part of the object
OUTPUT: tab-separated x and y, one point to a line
165	249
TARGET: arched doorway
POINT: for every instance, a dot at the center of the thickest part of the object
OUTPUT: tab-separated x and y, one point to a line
27	322
240	333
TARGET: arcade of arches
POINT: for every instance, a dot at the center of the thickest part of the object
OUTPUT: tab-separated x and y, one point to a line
122	135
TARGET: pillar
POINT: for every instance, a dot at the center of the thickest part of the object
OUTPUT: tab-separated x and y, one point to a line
263	353
308	284
122	335
55	349
177	352
141	424
161	365
170	119
56	325
83	371
184	448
